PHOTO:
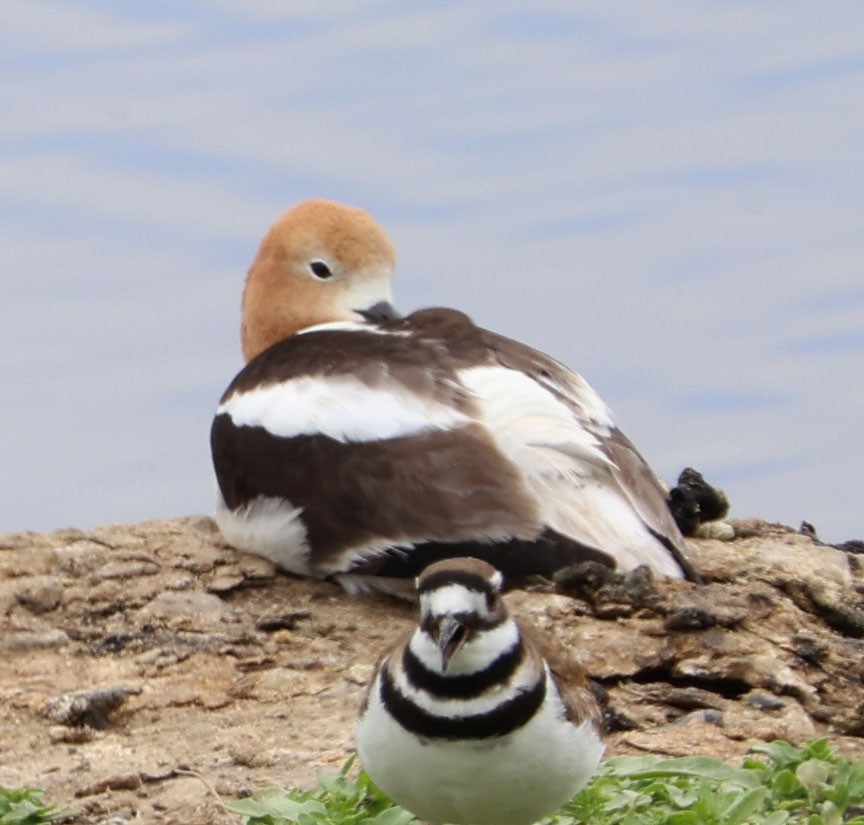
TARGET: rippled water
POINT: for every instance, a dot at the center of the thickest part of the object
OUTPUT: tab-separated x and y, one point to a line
671	203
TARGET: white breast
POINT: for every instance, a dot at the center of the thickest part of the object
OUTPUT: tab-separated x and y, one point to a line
512	780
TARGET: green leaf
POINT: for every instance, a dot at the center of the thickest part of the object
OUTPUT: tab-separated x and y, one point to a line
745	806
248	807
813	773
786	784
695	766
776	818
392	816
781	753
819	749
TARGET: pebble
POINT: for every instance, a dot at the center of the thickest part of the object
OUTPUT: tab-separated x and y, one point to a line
185	603
129	568
718	530
764	701
32	639
71	736
708	715
87	707
40	594
360	674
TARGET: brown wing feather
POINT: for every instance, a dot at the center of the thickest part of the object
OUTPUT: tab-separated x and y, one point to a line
570	678
392	654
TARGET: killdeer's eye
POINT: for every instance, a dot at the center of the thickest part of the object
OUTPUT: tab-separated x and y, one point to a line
430	626
493	600
320	270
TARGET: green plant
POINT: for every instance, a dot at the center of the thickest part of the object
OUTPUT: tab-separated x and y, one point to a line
338	799
24	806
811	785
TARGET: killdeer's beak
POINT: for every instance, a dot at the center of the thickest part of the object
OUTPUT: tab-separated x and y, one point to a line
451	636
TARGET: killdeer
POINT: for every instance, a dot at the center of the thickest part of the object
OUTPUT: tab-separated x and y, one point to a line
362	446
472	719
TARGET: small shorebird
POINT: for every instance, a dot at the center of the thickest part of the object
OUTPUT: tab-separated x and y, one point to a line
472	719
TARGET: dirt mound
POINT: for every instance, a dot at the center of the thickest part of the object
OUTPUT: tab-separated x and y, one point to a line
148	670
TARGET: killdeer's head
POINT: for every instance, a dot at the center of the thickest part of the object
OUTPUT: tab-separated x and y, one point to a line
463	622
320	262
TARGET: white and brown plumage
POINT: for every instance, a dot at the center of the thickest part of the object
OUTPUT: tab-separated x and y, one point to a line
364	446
472	719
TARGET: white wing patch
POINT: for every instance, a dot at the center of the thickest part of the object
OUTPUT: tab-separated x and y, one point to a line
342	407
580	393
531	426
268	527
564	463
598	514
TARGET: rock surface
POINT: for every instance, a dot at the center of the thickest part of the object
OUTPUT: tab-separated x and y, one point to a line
149	671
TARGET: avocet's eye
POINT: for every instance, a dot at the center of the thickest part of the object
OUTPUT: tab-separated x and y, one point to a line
320	270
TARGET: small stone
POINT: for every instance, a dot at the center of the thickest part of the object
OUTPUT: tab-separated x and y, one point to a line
766	671
225	580
129	568
80	558
360	674
689	618
203	524
185	604
255	567
691	698
33	639
24	540
70	535
855	546
87	707
808	530
40	594
70	736
202	559
719	530
709	716
249	755
225	788
810	649
837	606
611	595
763	701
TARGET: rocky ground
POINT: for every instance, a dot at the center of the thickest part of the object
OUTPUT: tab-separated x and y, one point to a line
148	672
